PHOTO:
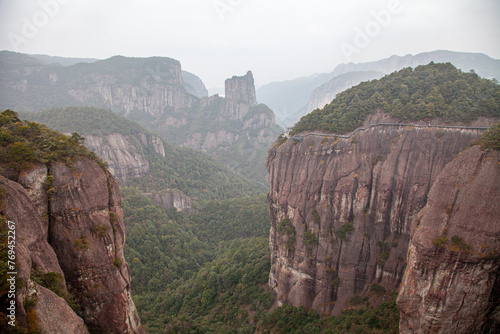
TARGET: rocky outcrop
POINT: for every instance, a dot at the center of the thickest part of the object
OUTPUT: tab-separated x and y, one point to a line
148	86
125	154
158	94
171	199
124	159
452	278
82	244
341	209
241	89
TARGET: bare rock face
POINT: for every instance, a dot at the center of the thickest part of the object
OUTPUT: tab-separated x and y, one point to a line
341	209
452	280
32	248
82	244
87	234
124	159
241	89
171	198
64	321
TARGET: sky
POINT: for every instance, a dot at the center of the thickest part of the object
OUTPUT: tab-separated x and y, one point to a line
276	39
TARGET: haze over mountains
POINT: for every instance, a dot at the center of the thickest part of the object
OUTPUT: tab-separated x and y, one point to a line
154	92
290	100
386	197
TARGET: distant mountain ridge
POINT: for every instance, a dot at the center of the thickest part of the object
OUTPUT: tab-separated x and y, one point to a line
156	93
192	83
289	111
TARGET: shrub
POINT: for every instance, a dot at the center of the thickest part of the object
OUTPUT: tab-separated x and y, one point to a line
344	230
458	243
310	238
82	243
117	262
315	216
378	289
491	138
100	230
440	241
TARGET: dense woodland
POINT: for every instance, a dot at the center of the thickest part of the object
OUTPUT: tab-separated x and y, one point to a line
206	270
426	92
196	174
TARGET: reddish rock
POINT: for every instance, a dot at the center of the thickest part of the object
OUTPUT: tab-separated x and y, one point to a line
82	242
452	281
87	234
351	203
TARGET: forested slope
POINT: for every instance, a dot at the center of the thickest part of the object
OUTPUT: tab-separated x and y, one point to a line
426	92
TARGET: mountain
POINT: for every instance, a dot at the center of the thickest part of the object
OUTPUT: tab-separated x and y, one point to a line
345	208
152	91
63	210
319	94
192	83
172	176
62	61
235	129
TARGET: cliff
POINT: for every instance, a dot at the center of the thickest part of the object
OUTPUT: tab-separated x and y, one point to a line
452	278
69	229
241	89
156	93
341	208
124	154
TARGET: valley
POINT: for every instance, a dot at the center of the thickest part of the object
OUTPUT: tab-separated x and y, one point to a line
145	201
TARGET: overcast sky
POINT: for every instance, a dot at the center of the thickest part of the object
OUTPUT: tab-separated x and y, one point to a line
276	39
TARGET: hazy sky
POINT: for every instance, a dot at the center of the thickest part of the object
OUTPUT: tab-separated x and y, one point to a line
276	39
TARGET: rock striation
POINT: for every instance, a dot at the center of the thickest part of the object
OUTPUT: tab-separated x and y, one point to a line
125	153
341	208
241	89
157	93
452	279
73	230
171	199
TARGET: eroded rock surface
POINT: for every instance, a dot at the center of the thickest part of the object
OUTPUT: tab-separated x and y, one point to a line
82	243
341	209
452	280
241	89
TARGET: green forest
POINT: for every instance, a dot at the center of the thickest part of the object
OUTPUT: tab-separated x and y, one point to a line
194	173
200	271
426	92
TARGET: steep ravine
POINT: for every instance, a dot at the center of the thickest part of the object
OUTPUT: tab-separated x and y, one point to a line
341	209
70	222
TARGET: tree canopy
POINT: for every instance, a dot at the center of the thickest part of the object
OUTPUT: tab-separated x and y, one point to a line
426	92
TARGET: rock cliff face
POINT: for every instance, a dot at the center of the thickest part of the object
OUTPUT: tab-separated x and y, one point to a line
125	85
69	223
452	280
124	154
241	89
341	209
171	198
158	94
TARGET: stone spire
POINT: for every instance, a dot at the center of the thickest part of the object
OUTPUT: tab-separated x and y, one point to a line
241	89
